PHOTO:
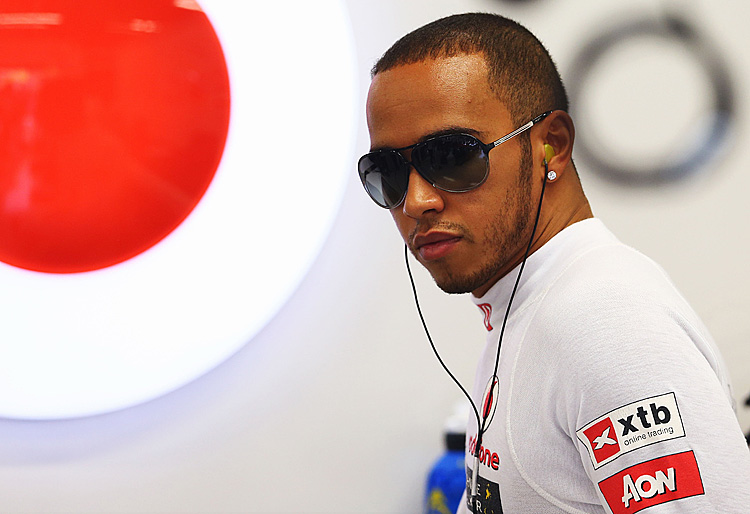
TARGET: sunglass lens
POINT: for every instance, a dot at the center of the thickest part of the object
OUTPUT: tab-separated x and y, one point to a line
385	176
456	162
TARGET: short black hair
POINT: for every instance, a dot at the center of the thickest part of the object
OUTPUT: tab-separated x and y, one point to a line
521	71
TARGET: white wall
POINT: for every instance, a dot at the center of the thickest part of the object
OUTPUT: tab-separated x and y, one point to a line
337	405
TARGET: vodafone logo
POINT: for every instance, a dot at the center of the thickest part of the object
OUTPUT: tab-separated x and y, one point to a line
150	187
633	426
654	482
485	456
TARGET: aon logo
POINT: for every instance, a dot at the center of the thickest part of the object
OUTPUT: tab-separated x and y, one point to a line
656	481
647	486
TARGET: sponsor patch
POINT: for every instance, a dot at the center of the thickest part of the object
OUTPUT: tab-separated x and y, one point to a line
488	495
630	427
486	309
653	482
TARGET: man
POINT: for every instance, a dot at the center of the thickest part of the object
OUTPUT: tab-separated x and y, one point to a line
599	390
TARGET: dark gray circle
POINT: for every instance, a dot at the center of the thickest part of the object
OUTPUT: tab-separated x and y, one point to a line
694	157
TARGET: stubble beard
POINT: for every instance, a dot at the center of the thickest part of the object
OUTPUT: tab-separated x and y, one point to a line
501	241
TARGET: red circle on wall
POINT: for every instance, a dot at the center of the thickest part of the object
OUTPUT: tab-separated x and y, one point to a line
113	120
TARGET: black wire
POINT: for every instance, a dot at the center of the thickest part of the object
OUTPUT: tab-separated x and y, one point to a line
481	428
515	286
429	338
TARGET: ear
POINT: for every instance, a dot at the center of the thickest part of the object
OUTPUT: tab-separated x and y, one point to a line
557	131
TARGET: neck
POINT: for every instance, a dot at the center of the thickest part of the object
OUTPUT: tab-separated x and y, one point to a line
563	205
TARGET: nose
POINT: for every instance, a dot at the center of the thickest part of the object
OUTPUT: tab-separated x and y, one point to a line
422	197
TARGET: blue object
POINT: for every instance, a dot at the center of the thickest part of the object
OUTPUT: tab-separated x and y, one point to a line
446	483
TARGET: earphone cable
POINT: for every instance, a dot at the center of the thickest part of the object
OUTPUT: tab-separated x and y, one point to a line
481	428
515	287
429	337
481	422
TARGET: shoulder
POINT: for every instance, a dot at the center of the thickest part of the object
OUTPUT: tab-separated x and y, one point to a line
609	291
611	327
587	271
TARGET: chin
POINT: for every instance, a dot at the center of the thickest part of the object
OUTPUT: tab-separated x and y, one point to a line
451	289
456	285
465	283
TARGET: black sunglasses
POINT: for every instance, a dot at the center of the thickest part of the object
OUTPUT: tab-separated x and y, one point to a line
454	162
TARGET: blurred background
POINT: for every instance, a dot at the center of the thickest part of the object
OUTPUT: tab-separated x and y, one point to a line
334	402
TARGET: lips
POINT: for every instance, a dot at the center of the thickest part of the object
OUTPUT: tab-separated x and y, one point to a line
435	245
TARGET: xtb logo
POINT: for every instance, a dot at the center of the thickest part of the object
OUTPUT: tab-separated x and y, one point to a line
603	440
630	427
659	416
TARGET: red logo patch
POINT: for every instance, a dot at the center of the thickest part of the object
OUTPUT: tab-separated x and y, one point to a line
486	308
630	427
653	482
603	439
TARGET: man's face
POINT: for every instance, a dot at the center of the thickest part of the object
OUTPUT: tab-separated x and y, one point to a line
467	241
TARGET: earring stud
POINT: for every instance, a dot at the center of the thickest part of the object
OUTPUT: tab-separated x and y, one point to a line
551	175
